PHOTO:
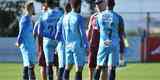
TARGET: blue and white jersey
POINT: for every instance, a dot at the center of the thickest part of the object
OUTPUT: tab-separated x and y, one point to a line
108	22
25	35
48	22
74	31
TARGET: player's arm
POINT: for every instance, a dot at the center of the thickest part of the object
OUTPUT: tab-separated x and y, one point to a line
90	28
35	29
82	32
59	29
19	38
122	33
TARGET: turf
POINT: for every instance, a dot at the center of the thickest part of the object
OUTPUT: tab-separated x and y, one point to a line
134	71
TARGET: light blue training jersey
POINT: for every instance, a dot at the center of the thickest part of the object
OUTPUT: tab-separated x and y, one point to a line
74	31
108	22
48	22
25	35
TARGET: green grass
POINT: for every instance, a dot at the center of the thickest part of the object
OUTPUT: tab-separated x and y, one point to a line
134	71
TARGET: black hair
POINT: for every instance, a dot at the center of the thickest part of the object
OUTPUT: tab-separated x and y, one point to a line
110	4
52	3
67	8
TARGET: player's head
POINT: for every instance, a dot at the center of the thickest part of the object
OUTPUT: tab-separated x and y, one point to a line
52	3
75	4
110	4
100	4
67	8
29	8
45	7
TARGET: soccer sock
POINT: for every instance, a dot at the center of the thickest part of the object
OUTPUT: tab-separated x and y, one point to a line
78	75
97	74
31	73
112	74
50	73
25	73
60	73
66	74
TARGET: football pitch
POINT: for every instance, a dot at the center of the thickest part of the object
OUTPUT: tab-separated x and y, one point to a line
133	71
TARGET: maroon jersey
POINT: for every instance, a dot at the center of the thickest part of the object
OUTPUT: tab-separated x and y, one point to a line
93	33
93	37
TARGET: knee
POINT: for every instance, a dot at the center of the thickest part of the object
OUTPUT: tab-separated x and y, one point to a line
68	67
79	68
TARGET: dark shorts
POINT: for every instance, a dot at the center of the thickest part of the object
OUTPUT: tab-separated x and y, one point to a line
41	57
92	57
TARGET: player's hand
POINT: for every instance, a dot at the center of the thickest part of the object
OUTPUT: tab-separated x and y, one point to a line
17	45
107	42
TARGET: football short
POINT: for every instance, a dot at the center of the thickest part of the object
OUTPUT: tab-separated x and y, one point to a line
28	54
49	46
77	57
61	54
113	59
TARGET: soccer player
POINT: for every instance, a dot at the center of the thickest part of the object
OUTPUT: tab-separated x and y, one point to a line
61	44
109	23
101	68
75	40
26	42
117	23
48	23
93	37
41	57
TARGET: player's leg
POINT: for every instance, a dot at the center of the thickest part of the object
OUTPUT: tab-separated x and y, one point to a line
49	49
56	68
111	73
32	62
42	65
102	59
25	73
79	59
25	58
103	75
122	54
97	72
92	57
41	59
61	60
113	63
69	64
31	72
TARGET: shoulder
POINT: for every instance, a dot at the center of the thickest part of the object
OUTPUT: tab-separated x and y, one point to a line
25	18
93	16
118	15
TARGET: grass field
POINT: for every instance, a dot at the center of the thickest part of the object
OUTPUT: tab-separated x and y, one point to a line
134	71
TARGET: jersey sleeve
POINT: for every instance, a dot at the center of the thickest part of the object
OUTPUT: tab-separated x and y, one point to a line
121	26
21	28
82	32
58	35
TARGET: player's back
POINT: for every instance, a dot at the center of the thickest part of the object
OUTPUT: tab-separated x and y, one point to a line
49	22
72	29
